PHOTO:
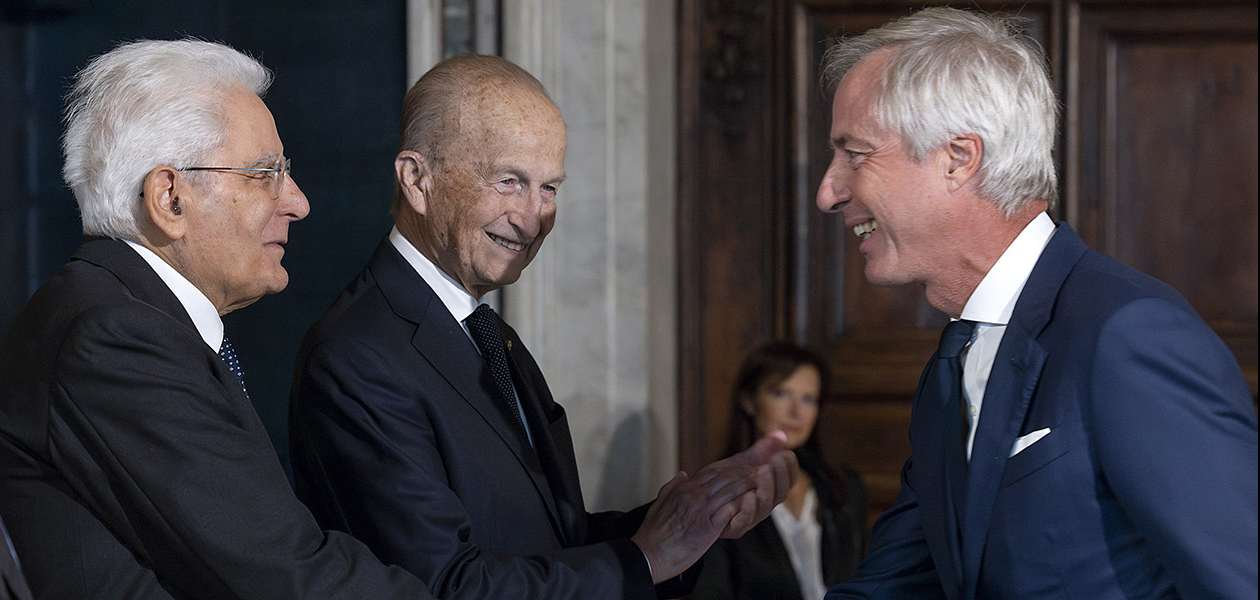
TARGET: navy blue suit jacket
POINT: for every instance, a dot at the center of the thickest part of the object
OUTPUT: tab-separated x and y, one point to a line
398	438
1145	486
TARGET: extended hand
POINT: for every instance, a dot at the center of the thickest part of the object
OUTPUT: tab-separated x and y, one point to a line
725	498
688	515
776	470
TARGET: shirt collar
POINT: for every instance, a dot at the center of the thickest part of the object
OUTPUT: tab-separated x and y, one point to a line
204	315
457	300
994	299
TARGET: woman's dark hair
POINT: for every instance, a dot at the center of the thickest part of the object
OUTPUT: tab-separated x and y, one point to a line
769	365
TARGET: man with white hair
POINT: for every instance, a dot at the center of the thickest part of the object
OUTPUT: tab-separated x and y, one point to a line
132	464
1081	432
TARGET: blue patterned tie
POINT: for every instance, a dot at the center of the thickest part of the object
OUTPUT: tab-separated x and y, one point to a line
228	353
483	324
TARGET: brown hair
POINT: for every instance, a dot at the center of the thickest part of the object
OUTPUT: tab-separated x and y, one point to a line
770	364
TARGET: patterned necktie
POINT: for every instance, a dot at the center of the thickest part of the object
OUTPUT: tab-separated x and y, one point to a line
228	353
949	381
483	324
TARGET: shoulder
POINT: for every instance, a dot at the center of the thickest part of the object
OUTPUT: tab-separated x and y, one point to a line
1108	285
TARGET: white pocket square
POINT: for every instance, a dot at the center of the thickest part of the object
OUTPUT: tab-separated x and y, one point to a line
1024	442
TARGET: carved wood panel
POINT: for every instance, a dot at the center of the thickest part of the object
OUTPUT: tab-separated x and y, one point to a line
1161	145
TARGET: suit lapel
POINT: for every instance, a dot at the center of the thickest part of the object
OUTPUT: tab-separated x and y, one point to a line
440	340
552	445
146	286
1007	397
127	265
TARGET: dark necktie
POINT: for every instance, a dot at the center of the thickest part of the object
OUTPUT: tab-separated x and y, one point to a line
953	413
483	324
228	353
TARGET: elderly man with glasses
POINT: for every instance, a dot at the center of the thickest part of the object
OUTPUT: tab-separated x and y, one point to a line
132	464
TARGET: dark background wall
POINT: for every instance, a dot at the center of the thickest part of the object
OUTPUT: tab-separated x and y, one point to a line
340	77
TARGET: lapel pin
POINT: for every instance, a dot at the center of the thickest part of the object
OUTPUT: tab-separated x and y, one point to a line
509	344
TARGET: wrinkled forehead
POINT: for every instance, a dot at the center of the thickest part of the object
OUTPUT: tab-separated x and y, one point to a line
491	112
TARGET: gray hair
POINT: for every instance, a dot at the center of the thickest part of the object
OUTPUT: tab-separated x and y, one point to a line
953	72
141	105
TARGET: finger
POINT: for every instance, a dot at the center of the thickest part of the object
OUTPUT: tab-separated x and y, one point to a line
724	515
744	518
784	468
761	452
672	484
728	484
717	471
768	446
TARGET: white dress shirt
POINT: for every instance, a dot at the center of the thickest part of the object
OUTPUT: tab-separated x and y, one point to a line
991	306
204	315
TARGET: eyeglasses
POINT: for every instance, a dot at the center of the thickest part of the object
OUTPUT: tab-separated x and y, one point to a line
277	173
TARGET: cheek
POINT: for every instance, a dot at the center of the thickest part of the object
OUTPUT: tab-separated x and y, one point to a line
769	414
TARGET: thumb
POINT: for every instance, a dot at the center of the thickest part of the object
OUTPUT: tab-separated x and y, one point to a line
764	450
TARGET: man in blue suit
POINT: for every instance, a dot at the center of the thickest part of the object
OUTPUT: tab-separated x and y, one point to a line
1100	441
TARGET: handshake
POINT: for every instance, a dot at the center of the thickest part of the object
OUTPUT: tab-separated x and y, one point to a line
724	499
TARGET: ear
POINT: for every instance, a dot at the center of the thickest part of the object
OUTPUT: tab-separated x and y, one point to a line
964	154
415	179
163	203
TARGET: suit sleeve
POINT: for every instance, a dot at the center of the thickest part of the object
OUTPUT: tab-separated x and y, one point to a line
1176	438
899	565
177	465
368	458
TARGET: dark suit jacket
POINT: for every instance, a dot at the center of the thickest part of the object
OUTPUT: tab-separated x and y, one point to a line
757	566
132	465
12	582
1145	486
397	438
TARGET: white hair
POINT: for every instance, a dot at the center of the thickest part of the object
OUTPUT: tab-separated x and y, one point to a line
141	105
953	72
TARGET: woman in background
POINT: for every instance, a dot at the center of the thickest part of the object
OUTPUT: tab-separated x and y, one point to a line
818	535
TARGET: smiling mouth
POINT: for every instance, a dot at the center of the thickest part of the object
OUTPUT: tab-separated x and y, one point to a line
510	245
864	230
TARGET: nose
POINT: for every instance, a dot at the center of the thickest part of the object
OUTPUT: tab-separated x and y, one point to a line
293	202
833	192
530	210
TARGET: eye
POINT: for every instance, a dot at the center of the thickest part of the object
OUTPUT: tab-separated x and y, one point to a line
550	190
508	185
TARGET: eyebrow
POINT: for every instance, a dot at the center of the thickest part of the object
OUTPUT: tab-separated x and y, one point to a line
519	174
841	141
267	160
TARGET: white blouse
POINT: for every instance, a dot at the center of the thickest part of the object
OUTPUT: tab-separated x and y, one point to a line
803	539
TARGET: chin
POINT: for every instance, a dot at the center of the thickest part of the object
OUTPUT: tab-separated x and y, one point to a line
276	282
882	276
